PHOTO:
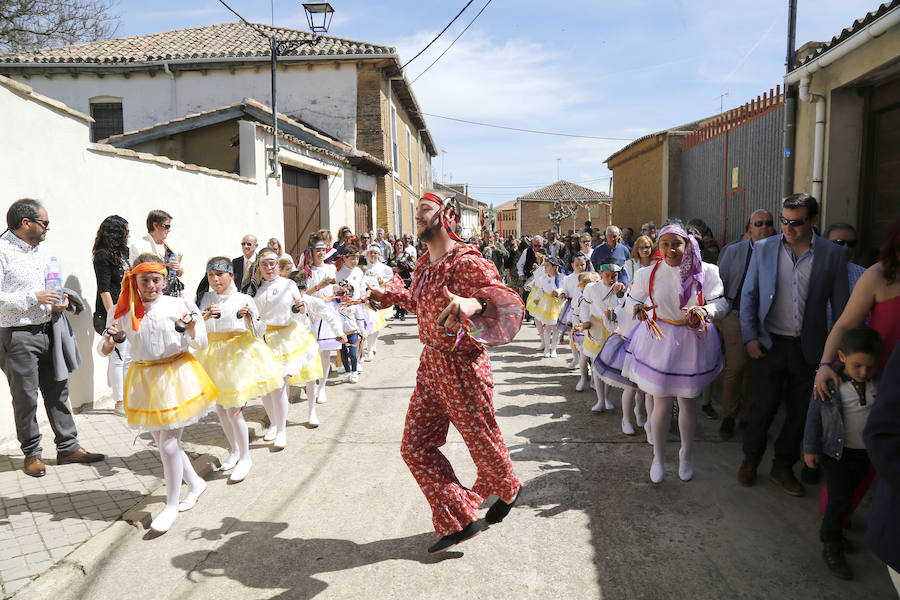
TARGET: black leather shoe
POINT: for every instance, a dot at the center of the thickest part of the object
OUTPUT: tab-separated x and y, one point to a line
499	509
726	430
833	554
448	541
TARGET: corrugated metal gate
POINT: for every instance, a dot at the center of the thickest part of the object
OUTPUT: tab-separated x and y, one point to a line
733	166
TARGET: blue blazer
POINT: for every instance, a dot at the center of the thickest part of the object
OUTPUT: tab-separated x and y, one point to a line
827	281
882	437
731	270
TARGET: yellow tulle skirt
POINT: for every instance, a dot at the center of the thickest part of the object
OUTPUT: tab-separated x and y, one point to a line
167	393
544	306
295	350
376	319
241	366
595	337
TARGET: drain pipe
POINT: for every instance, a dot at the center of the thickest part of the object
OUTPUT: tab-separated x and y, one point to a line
819	143
174	100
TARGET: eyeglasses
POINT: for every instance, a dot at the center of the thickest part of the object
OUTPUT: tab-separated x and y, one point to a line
41	222
848	243
645	248
247	244
761	223
793	222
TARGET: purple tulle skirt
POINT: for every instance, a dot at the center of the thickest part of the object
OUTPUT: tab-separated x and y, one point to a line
608	364
682	363
563	322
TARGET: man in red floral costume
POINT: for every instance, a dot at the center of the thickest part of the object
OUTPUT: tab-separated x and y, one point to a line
453	288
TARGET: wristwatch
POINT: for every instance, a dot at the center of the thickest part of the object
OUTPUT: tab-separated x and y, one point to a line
484	304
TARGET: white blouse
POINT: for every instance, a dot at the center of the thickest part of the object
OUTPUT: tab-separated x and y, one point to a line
355	278
596	294
547	284
573	293
667	291
378	274
156	338
229	304
317	308
274	299
321	274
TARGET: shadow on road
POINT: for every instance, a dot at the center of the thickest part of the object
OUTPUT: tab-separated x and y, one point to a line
291	564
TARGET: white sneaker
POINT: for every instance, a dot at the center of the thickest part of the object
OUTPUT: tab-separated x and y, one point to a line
241	470
579	387
553	354
359	367
270	434
370	356
546	354
354	377
340	370
280	440
540	348
347	378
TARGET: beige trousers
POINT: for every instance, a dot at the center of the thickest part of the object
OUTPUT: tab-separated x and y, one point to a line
736	380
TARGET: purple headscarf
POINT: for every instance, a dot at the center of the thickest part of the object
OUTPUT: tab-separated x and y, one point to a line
691	267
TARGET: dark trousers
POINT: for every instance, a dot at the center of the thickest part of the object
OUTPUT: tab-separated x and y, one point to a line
841	477
782	376
349	353
26	359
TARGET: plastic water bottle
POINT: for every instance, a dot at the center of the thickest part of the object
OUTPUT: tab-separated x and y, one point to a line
53	279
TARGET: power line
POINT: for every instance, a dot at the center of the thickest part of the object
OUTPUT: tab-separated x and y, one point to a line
534	185
435	37
237	14
451	43
571	135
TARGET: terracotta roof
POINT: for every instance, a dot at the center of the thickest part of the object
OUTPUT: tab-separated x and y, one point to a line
562	190
226	40
849	31
511	205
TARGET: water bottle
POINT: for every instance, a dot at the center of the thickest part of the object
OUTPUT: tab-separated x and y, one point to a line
53	279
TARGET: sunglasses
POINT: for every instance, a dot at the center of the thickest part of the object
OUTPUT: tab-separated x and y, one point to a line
761	223
166	226
793	222
848	243
247	244
41	222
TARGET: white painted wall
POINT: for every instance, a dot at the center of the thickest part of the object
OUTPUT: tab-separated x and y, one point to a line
323	96
45	155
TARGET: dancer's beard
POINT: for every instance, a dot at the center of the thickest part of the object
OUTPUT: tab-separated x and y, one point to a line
431	232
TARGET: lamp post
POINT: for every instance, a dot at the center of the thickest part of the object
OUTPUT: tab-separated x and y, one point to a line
318	17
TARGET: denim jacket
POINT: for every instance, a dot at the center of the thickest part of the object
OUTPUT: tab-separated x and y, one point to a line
825	427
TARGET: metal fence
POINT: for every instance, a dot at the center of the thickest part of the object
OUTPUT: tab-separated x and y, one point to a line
733	166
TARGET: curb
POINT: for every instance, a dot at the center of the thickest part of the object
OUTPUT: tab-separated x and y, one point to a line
75	567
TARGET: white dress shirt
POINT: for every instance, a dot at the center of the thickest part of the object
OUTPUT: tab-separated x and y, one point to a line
156	338
22	270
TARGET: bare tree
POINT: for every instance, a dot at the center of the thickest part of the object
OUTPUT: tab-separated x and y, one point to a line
31	24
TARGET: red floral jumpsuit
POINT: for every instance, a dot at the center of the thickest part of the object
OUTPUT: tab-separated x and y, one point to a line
456	386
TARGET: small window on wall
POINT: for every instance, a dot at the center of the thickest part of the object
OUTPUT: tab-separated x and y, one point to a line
395	150
398	221
107	120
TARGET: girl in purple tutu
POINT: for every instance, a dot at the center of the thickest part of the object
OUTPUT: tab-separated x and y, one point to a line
675	351
568	318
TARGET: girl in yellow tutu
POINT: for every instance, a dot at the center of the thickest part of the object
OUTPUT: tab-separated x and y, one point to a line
166	389
377	274
295	349
237	359
545	303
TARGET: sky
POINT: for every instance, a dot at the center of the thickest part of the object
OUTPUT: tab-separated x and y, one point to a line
594	68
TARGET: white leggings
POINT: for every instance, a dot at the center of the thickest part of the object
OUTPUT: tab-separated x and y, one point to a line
177	466
119	361
687	425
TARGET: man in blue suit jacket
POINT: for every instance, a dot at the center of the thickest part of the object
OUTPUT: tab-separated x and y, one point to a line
789	282
882	437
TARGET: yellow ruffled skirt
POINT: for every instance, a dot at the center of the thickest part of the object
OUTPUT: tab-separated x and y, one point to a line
167	393
295	350
544	306
595	337
241	366
376	320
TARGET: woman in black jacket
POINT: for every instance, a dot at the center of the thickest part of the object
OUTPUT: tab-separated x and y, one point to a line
403	265
110	261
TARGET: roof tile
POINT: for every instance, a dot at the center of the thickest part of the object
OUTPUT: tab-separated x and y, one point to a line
563	190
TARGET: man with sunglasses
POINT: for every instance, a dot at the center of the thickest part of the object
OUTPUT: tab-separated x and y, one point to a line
790	280
241	264
733	264
26	311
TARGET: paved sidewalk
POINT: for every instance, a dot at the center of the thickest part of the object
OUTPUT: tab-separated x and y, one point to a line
43	519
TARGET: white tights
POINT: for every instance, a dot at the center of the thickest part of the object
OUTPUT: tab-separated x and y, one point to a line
549	336
276	405
687	426
602	390
371	343
325	355
177	467
235	428
628	405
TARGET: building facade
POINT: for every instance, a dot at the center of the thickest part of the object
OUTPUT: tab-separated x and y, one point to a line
533	210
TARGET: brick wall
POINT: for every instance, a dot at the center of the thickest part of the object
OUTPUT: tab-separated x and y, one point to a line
535	217
637	181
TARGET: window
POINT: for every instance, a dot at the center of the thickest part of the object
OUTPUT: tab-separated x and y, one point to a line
395	151
421	166
409	153
107	120
412	216
398	221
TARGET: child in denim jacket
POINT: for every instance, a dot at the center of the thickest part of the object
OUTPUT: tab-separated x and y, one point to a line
833	438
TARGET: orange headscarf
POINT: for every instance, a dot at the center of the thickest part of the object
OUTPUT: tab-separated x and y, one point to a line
129	299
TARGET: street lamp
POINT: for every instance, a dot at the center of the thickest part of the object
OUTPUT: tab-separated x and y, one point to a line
318	17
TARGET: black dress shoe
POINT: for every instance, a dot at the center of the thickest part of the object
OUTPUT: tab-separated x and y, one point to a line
500	509
833	554
726	430
448	541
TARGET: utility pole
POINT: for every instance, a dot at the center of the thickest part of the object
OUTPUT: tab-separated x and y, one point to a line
790	105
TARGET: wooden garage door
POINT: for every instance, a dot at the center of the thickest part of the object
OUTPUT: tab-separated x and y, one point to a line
300	200
881	183
362	206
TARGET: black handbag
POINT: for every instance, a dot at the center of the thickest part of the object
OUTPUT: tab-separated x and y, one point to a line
99	323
